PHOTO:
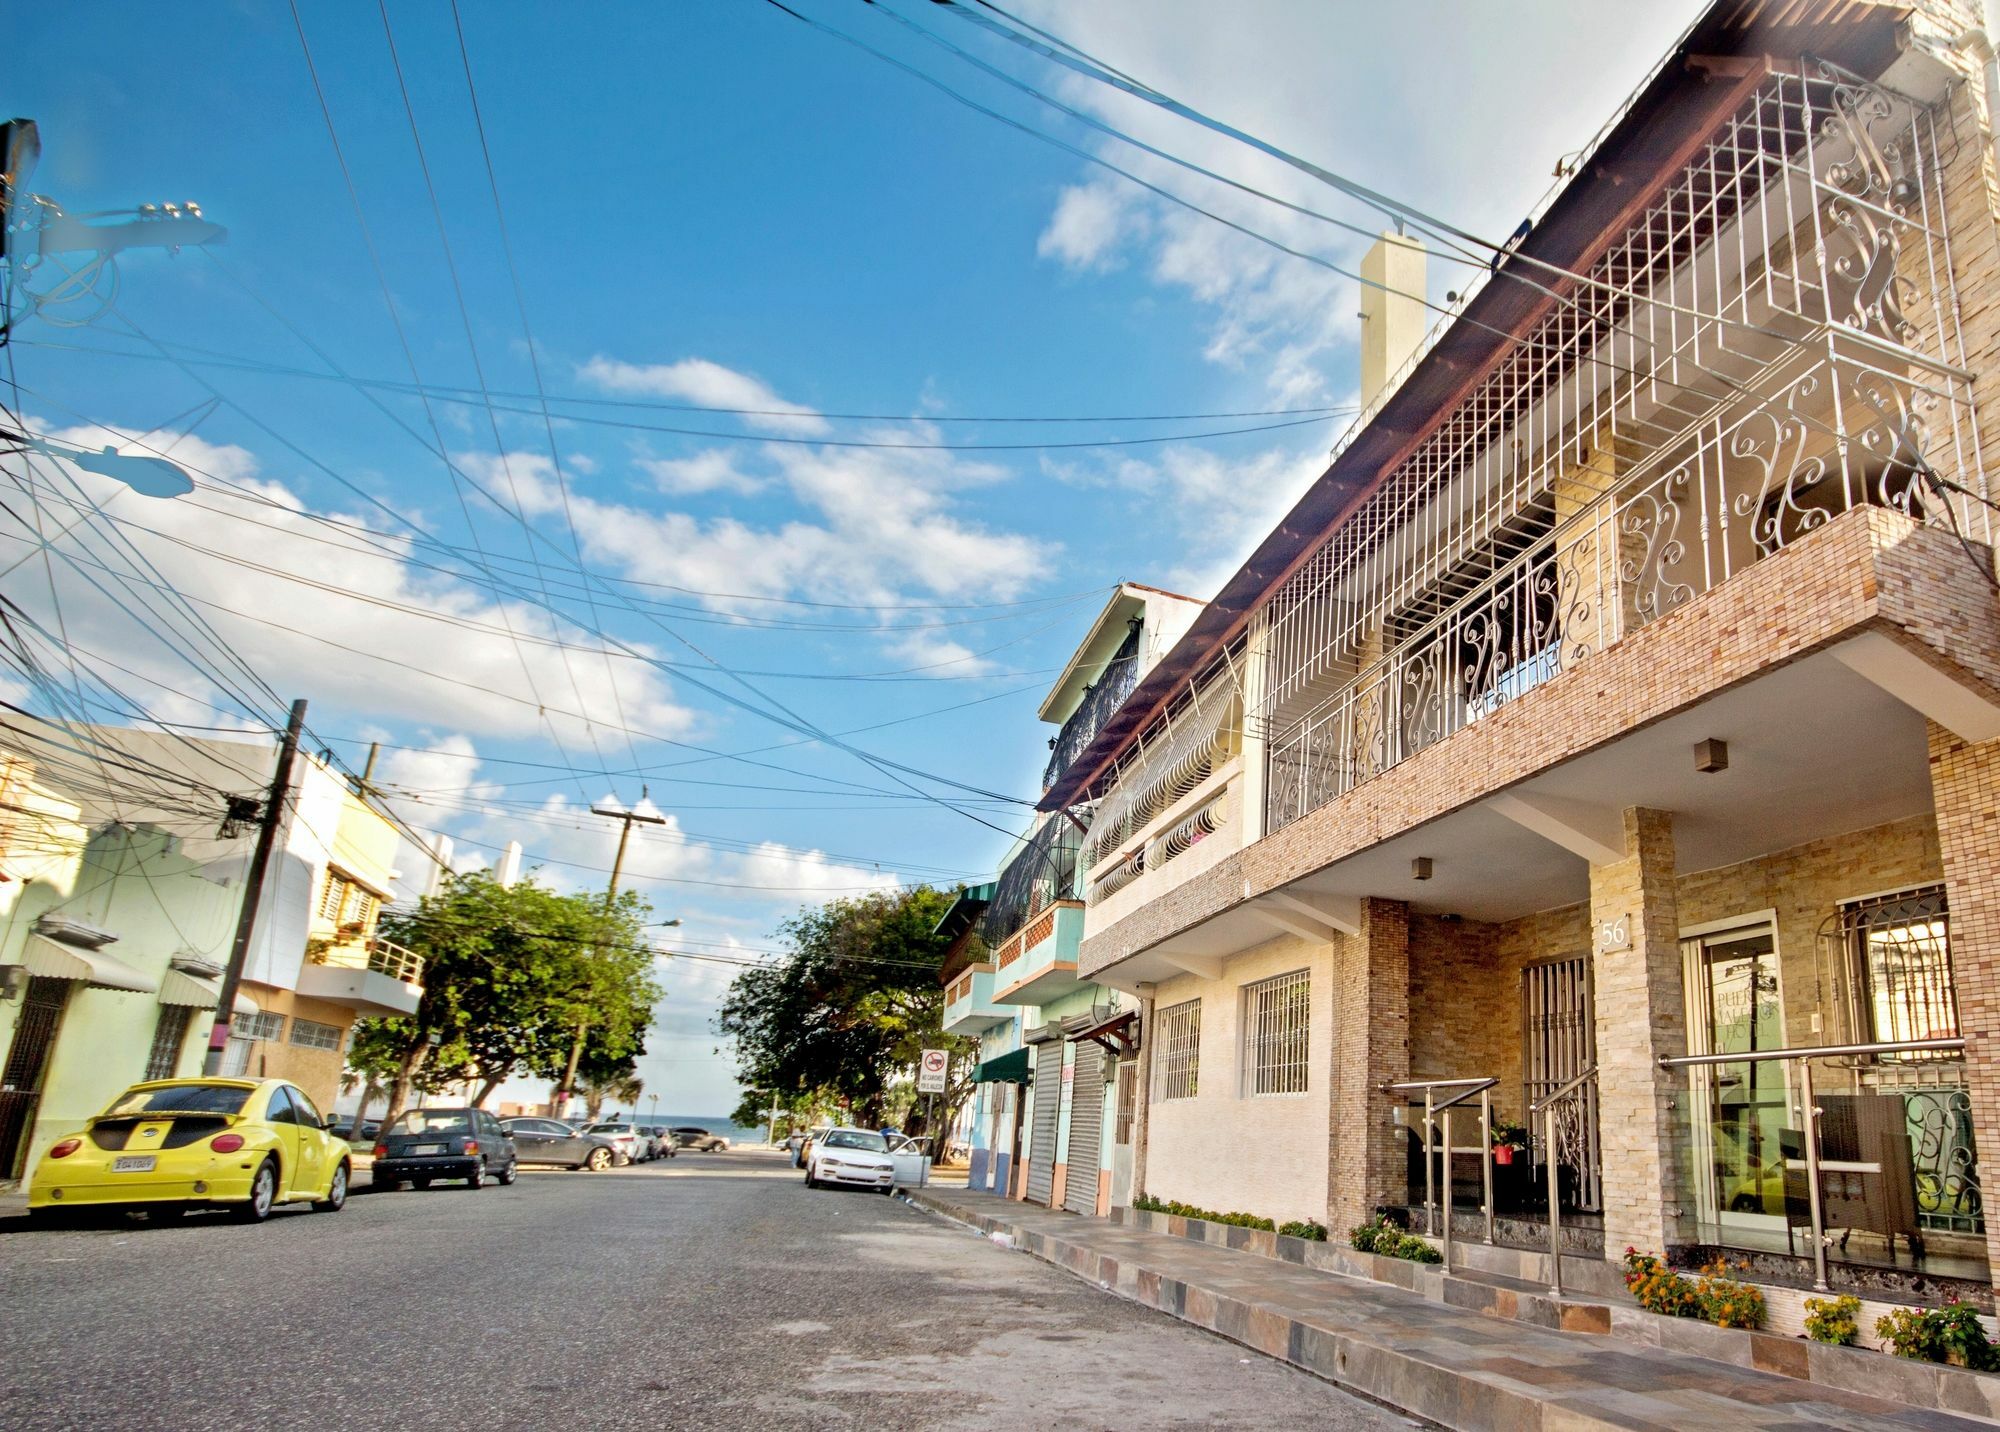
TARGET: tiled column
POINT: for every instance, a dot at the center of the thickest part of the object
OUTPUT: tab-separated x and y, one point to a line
1965	790
1371	1047
1640	1019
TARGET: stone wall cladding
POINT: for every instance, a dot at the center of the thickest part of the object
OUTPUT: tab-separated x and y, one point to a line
1235	1153
1868	569
1965	786
1366	1165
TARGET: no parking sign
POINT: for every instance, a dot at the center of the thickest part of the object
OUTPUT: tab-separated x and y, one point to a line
931	1070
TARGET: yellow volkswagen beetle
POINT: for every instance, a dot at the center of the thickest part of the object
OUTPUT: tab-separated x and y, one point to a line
244	1144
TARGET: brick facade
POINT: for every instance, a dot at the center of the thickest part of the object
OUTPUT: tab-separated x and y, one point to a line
1365	1152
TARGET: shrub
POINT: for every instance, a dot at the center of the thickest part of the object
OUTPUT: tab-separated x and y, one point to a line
1950	1334
1304	1228
1413	1248
1658	1288
1146	1203
1377	1235
1725	1301
1833	1320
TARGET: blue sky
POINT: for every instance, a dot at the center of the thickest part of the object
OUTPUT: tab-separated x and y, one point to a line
717	205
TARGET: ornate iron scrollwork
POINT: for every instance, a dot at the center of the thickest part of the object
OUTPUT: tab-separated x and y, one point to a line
1653	518
1868	176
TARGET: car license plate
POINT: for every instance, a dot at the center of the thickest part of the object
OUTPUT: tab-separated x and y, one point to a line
427	1149
133	1163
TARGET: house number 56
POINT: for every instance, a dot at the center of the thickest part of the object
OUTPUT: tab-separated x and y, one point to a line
1614	935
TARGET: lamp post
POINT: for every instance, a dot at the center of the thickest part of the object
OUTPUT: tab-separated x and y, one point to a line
645	813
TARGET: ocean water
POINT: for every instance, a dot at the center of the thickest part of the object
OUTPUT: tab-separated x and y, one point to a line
714	1123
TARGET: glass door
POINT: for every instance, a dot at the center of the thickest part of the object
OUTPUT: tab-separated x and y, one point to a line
1742	1125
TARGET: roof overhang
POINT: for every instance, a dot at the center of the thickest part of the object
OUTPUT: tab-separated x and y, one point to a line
1707	77
1100	644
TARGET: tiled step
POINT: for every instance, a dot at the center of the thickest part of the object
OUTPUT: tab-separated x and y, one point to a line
1426	1354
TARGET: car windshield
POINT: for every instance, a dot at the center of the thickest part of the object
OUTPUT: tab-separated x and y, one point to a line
185	1099
611	1128
427	1121
856	1139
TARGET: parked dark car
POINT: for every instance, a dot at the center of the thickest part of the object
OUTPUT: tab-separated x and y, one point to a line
551	1141
426	1144
345	1129
702	1141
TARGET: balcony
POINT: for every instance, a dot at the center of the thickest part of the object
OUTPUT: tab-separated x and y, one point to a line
376	978
1103	697
968	1002
1037	965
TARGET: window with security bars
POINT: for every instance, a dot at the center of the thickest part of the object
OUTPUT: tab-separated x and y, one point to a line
168	1036
257	1026
1901	952
1177	1050
1277	1026
314	1035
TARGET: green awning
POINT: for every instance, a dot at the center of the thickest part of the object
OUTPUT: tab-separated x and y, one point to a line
1007	1069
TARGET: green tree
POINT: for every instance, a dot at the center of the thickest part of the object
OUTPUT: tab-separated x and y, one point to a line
509	973
843	1017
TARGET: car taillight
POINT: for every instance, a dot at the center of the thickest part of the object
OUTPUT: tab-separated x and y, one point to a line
226	1143
381	1151
64	1149
472	1146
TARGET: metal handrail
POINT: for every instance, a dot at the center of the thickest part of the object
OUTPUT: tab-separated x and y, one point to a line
1466	1088
1546	1107
1815	1199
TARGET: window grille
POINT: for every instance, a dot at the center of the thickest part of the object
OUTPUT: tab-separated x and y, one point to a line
257	1026
314	1035
1177	1064
1900	954
168	1036
1277	1027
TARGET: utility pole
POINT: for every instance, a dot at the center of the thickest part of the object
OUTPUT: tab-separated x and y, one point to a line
642	814
253	887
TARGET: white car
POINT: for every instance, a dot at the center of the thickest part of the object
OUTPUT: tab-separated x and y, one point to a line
633	1146
855	1157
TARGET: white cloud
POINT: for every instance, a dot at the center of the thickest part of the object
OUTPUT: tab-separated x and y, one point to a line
1089	221
697	380
712	471
1459	109
316	609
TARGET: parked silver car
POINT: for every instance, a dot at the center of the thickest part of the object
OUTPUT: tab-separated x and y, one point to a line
630	1140
551	1141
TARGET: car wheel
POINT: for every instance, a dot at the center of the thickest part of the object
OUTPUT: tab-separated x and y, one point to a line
477	1178
420	1183
336	1191
811	1182
263	1194
599	1160
508	1174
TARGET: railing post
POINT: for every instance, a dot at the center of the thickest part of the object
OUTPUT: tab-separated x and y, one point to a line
1447	1188
1430	1155
1555	1206
1486	1155
1812	1176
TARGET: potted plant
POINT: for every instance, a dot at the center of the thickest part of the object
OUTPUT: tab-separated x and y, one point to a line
1507	1139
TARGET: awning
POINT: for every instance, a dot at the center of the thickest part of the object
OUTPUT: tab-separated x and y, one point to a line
1007	1069
57	961
1118	1033
198	993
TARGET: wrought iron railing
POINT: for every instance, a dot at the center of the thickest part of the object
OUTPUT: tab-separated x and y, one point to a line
1102	697
1043	871
1774	343
1568	1115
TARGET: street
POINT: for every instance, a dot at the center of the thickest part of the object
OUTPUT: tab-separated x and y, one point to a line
709	1291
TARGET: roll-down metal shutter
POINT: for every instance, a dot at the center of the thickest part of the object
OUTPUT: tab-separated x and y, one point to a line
1086	1128
1048	1118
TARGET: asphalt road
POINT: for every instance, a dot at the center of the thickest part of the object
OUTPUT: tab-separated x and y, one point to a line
710	1291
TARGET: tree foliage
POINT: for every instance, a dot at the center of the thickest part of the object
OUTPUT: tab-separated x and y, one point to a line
841	1020
510	972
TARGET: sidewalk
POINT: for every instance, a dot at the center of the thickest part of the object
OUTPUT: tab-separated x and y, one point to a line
1455	1367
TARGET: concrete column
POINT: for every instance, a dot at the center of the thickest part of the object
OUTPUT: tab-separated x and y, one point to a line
1640	1019
1371	1047
1142	1097
1965	790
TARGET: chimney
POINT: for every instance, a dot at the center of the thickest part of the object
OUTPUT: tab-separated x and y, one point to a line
1392	311
510	864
